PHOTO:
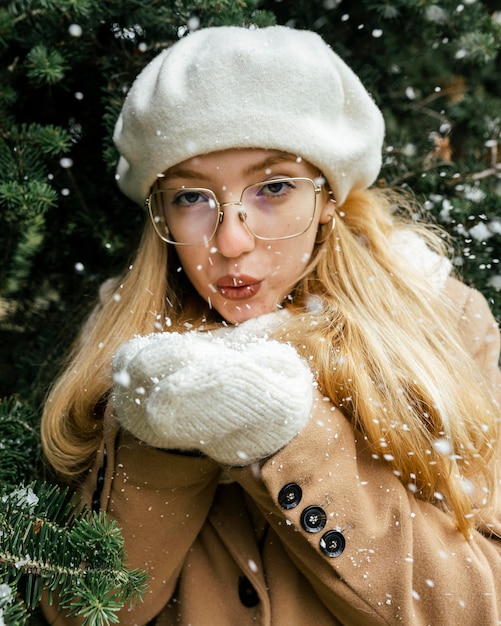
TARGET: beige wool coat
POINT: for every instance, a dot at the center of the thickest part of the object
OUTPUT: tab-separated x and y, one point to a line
320	533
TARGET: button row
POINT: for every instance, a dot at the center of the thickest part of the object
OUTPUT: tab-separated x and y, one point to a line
313	520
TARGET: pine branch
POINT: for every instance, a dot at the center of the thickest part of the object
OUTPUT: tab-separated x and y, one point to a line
46	66
49	544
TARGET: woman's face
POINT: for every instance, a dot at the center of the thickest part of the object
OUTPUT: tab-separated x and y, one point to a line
238	274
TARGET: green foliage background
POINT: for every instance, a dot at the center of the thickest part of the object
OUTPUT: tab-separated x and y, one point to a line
433	66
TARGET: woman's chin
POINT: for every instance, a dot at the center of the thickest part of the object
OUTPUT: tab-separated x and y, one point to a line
237	314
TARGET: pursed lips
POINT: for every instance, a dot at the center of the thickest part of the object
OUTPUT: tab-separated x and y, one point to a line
239	287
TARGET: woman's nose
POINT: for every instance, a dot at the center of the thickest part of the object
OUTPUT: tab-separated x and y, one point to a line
233	238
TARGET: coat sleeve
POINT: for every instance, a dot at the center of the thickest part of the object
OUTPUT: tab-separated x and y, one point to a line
160	500
374	553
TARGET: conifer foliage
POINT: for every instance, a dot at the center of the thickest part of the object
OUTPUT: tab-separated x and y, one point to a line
47	546
433	66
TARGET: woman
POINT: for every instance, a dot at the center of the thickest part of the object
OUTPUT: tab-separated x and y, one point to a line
286	402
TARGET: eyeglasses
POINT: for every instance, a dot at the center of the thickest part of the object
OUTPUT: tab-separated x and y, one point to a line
279	208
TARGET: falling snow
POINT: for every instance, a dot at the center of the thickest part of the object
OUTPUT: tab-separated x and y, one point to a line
442	446
75	30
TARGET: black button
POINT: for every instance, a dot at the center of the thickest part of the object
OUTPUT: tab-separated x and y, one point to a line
96	501
101	474
332	543
313	519
246	592
290	496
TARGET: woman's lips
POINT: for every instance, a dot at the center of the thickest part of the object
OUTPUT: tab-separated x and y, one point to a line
238	287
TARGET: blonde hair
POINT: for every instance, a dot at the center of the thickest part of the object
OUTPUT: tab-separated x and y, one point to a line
379	339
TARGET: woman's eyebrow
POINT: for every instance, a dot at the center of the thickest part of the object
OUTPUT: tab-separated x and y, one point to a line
269	161
274	159
183	173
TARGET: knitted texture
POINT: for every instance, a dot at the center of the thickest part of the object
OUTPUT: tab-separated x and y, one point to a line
237	401
232	87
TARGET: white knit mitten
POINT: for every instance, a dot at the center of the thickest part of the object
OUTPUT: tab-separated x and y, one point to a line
235	398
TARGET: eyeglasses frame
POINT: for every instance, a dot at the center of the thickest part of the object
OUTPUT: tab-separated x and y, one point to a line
242	215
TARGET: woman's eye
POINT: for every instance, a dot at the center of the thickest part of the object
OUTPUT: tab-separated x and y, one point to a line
188	198
276	188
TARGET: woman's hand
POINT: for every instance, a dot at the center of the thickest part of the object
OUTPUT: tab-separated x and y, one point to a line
235	396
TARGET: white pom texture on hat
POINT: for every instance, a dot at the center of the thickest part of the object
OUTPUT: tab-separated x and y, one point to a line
232	87
236	397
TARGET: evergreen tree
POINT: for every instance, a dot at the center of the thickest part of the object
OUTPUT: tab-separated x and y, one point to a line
433	67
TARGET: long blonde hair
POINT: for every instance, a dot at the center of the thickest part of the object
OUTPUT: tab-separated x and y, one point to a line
379	338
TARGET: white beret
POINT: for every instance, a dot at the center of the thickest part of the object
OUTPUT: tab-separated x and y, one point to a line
234	87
